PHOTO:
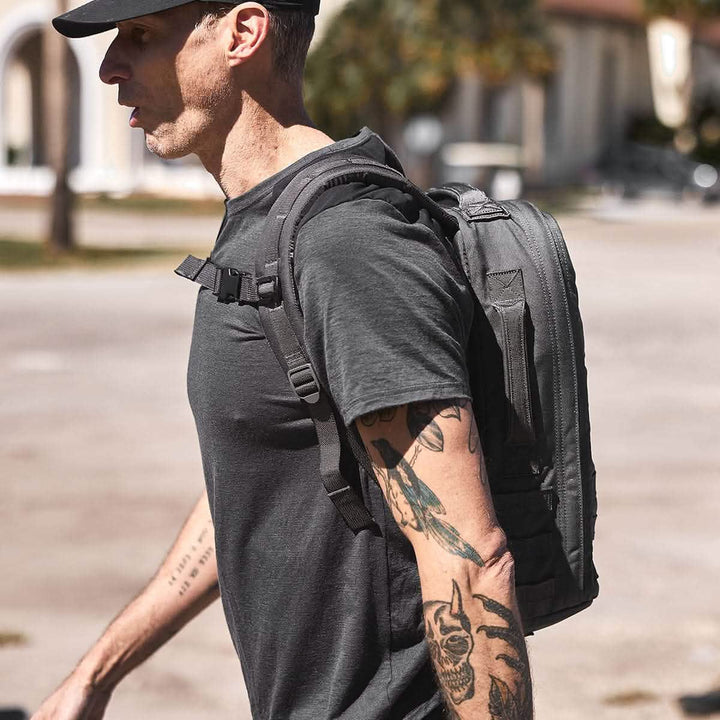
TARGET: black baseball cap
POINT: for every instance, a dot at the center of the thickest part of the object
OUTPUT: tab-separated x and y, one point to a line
101	15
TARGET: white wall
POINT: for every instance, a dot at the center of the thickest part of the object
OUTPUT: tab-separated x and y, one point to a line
602	82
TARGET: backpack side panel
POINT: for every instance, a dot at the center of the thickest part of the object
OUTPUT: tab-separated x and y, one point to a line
527	370
587	467
530	392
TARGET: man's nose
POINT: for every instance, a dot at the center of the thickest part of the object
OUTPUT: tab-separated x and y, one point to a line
114	67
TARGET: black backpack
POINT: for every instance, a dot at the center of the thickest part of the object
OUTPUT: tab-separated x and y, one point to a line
526	361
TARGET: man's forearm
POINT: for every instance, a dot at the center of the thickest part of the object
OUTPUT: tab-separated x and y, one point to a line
428	459
183	586
477	645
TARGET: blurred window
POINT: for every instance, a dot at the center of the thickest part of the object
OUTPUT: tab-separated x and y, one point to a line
23	104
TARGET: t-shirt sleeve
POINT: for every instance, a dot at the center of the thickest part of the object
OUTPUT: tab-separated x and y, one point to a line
387	311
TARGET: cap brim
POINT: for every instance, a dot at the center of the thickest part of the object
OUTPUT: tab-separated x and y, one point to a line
101	15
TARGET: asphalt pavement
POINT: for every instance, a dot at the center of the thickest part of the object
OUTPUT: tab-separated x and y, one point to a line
100	464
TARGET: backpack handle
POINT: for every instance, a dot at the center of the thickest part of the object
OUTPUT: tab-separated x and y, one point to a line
471	202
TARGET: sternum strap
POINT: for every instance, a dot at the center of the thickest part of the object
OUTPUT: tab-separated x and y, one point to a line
228	284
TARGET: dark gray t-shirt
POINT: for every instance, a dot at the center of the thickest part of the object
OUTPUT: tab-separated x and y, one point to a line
326	624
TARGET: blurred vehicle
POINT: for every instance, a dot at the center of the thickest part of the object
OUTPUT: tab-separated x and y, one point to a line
637	168
494	167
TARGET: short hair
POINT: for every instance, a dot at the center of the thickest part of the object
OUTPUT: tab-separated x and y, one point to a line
291	32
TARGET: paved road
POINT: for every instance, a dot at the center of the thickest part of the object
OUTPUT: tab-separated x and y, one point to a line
116	228
100	463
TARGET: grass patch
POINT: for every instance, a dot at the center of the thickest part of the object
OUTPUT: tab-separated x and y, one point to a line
630	697
26	255
153	205
142	204
9	639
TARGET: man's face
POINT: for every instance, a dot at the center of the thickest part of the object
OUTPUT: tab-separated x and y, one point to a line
172	73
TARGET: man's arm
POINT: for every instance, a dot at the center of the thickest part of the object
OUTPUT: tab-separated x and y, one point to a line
184	585
429	463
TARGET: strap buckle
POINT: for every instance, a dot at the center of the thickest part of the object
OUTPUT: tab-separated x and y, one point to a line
305	383
268	290
229	289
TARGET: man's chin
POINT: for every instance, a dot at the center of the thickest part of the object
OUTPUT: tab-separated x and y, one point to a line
164	150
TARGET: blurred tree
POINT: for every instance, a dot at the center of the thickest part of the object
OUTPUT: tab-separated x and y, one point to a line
56	74
382	61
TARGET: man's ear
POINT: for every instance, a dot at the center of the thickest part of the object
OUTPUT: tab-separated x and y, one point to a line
245	31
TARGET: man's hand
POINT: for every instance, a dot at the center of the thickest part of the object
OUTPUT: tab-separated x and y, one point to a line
429	463
75	699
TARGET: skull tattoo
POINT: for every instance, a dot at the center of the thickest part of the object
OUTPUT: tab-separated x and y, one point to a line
448	633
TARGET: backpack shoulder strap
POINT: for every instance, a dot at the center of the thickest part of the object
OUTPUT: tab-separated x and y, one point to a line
282	318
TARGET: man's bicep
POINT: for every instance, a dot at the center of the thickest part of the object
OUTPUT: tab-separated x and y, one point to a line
429	463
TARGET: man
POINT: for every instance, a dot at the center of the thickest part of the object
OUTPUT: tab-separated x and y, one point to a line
326	624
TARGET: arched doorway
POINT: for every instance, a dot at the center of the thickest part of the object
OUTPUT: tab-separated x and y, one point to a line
24	118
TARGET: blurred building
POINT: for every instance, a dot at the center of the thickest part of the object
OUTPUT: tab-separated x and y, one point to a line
563	126
566	124
106	155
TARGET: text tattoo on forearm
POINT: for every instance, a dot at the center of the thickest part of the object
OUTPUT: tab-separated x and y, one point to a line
189	566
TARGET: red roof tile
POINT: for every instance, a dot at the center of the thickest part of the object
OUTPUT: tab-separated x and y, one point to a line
629	10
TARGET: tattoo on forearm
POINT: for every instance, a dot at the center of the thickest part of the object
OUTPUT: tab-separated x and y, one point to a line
506	702
451	644
416	506
189	566
450	640
384	415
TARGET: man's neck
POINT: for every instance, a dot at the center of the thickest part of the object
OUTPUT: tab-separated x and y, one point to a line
259	145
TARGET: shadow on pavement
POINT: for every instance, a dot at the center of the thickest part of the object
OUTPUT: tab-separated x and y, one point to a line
13	714
697	705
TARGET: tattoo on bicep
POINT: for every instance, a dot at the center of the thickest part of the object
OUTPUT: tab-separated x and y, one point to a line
422	425
416	506
427	432
450	642
423	428
473	438
384	415
506	702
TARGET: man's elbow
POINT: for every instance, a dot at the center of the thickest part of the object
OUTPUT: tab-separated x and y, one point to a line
498	569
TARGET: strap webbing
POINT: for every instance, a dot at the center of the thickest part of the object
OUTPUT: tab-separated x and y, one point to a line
302	378
507	294
285	344
346	500
229	284
283	322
